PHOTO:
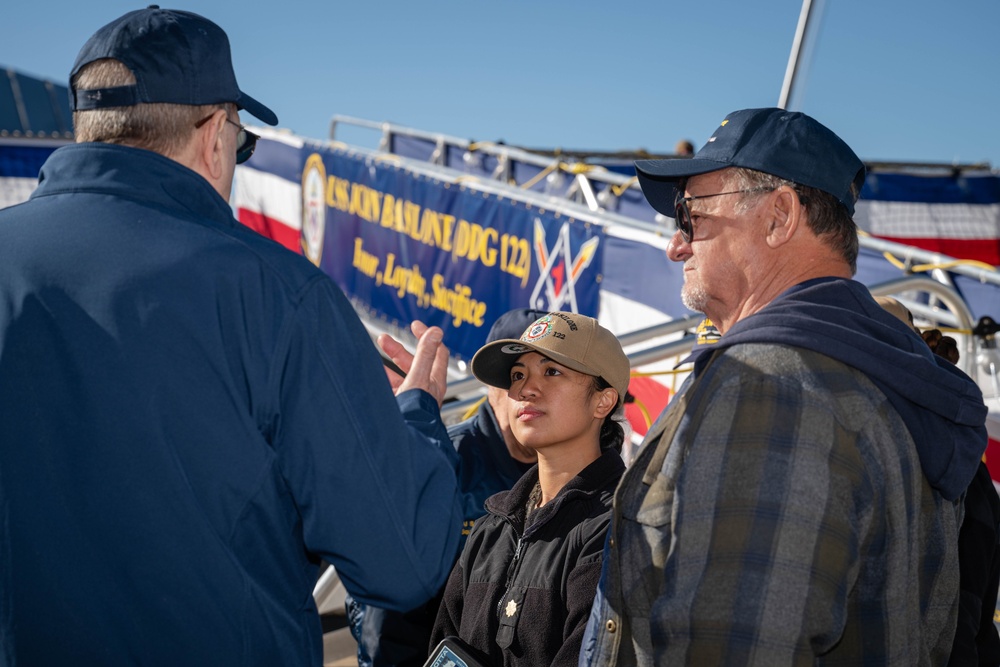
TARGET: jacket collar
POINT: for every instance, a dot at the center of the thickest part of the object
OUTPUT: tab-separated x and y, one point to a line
135	174
591	481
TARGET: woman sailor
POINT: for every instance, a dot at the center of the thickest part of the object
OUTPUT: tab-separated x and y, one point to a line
522	589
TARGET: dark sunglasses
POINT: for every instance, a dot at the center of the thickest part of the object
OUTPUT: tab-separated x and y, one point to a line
246	141
682	214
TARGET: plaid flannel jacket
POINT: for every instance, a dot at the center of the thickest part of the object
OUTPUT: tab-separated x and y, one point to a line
777	515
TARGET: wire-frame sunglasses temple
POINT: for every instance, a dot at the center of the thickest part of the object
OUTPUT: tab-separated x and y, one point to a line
682	214
246	141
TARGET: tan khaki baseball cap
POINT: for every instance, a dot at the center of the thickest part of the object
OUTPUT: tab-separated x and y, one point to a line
575	341
898	310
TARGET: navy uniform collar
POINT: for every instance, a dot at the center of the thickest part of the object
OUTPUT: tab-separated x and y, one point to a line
132	173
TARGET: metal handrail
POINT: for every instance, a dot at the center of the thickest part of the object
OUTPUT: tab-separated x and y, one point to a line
491	148
501	189
660	330
544	157
909	254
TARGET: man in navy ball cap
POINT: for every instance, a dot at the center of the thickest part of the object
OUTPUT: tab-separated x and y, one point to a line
796	502
191	416
176	57
151	77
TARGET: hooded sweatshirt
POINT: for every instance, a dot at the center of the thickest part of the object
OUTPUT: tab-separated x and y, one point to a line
741	535
941	406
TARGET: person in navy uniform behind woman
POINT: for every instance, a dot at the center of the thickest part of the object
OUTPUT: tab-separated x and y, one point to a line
524	584
490	460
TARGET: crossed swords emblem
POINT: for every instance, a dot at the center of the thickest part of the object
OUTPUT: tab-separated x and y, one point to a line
559	282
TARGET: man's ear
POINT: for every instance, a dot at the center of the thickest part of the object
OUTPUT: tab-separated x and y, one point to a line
211	146
786	213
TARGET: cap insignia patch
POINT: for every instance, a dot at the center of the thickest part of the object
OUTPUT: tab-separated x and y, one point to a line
540	329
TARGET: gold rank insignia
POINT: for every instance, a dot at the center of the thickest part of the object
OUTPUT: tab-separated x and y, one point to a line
511	608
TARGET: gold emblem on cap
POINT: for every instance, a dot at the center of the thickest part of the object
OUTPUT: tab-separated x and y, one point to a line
511	608
724	123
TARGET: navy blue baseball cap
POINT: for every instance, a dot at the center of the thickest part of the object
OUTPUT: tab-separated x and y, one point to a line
177	58
513	323
786	144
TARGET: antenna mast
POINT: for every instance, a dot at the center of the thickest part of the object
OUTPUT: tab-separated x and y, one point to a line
793	59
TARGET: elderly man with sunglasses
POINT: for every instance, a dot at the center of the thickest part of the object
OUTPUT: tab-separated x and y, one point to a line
796	503
191	416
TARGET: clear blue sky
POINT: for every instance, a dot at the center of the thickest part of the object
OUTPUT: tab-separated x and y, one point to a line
897	79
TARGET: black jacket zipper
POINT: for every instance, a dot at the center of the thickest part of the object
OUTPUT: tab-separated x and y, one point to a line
511	569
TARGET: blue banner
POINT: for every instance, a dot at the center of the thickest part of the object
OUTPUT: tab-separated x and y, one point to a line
407	246
955	189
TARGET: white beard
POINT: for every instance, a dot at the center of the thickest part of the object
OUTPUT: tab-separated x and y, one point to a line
694	298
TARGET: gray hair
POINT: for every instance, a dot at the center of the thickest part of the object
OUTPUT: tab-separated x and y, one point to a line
827	217
163	128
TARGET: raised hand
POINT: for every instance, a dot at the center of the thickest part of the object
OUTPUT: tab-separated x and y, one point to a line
426	368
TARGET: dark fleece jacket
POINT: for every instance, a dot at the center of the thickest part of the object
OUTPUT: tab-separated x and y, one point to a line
942	407
522	595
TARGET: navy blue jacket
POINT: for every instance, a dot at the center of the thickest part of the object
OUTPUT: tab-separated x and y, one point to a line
400	639
486	465
190	418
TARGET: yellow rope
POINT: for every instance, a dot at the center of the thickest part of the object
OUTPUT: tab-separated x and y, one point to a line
540	175
642	406
958	262
578	168
473	408
617	190
647	374
645	412
575	168
921	268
